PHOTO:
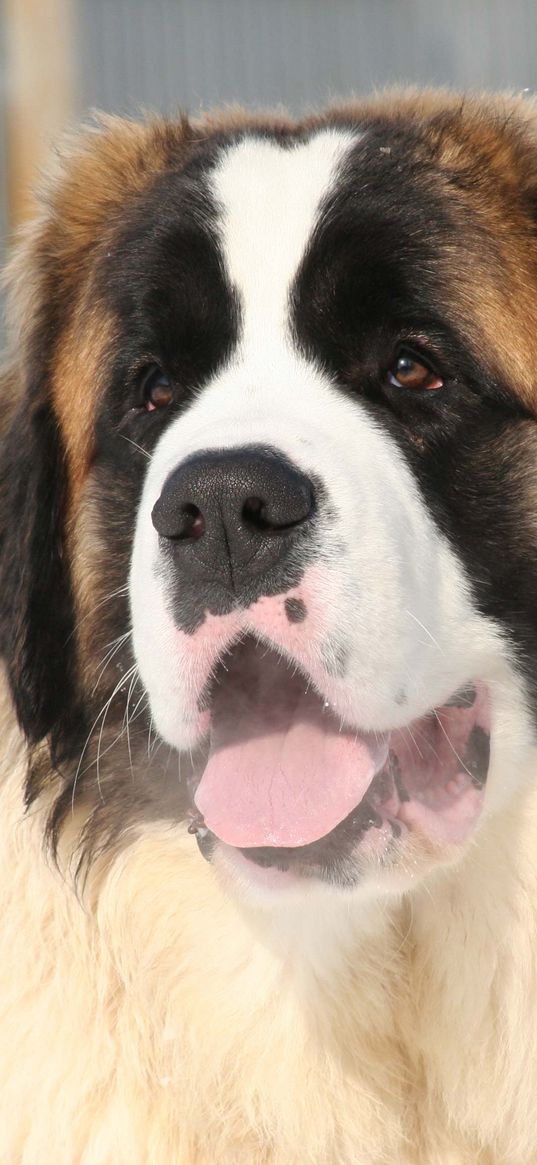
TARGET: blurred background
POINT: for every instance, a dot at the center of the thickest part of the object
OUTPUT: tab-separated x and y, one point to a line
60	58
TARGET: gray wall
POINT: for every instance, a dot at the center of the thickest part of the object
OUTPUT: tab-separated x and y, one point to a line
166	54
196	53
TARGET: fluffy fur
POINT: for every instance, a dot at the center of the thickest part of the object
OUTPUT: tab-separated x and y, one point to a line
153	1010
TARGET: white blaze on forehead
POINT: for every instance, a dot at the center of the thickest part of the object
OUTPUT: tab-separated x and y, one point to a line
270	198
378	556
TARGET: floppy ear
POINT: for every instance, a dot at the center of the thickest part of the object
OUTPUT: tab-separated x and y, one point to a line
99	169
36	610
36	619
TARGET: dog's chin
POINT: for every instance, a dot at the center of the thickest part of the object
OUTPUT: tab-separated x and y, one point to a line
287	797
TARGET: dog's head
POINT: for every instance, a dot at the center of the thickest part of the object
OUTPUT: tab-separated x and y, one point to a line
269	484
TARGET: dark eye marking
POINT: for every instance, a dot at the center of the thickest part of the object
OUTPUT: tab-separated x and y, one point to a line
410	370
155	388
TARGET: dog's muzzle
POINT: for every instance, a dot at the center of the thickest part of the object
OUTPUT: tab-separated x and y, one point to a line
232	521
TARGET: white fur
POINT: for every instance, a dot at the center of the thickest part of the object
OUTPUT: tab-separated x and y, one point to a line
270	199
167	1023
172	1017
396	596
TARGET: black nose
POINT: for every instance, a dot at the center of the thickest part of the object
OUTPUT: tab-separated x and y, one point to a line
229	518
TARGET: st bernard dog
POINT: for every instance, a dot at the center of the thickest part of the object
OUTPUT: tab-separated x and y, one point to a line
268	520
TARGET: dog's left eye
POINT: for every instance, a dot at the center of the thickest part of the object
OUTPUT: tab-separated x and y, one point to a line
157	391
411	371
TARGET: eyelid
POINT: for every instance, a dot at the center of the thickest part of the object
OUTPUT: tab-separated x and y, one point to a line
419	351
428	348
151	373
422	361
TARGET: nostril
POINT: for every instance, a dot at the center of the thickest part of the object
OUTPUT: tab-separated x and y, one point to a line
254	514
191	523
177	520
224	502
278	513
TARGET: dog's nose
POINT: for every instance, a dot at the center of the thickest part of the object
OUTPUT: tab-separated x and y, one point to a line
231	517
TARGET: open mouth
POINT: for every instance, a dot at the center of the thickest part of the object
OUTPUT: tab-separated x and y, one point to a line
291	787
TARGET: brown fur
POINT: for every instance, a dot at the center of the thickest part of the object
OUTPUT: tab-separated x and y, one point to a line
159	1022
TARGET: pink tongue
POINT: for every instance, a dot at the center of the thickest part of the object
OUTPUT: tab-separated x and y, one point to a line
280	772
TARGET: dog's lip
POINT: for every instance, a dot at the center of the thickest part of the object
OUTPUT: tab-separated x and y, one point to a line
389	810
282	769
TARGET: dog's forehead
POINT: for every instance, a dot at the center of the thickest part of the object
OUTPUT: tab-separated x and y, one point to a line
367	201
235	227
249	225
261	198
270	198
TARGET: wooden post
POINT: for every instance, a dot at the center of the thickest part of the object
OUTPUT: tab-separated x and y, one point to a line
40	67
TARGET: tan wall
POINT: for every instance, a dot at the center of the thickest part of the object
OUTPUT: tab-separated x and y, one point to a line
40	90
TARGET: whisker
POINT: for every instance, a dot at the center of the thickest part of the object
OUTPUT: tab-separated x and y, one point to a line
136	446
114	647
112	744
126	719
427	632
123	590
103	710
133	672
156	747
424	736
408	729
451	745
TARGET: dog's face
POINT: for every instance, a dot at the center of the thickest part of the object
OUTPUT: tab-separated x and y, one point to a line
281	486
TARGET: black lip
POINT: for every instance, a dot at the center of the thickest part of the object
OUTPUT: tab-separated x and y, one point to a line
319	855
328	859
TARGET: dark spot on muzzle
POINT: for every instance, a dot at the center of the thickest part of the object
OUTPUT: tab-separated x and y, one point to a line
296	610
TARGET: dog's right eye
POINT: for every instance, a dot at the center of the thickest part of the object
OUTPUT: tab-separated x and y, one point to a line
156	389
411	371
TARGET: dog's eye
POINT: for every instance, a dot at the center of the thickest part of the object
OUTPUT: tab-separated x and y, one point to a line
156	388
410	371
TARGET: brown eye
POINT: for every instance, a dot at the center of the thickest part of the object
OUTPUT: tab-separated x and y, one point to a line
157	391
410	372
